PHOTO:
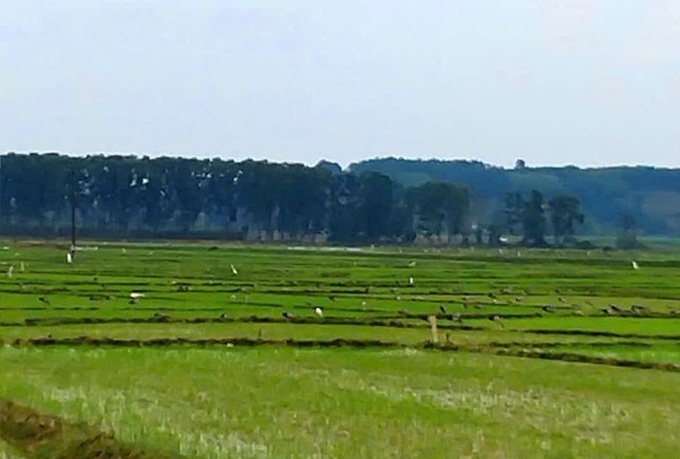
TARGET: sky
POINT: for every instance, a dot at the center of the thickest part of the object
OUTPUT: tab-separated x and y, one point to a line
554	82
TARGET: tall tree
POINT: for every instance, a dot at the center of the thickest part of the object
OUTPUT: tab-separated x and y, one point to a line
565	213
439	207
533	221
376	195
513	209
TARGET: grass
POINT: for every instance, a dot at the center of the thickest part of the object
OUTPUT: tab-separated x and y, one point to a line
273	401
341	403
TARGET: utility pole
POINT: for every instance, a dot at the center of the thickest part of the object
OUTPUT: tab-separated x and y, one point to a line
73	214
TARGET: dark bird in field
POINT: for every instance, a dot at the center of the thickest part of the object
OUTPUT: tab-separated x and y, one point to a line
637	309
496	319
491	295
45	301
133	301
95	279
161	316
442	309
549	308
224	315
562	299
288	315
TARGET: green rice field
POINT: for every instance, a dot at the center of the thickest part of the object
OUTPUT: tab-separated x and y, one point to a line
214	350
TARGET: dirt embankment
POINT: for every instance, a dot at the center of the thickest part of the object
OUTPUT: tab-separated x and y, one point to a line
37	435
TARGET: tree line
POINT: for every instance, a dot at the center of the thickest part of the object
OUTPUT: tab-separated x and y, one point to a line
127	196
650	196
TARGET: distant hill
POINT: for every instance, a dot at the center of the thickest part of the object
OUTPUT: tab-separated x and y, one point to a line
651	196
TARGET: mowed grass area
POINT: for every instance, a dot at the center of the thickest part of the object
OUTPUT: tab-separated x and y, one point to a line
381	395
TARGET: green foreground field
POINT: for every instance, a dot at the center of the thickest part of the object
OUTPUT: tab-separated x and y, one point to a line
530	358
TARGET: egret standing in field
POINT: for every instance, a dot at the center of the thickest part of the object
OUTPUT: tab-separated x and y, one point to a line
411	280
69	258
318	311
234	271
135	297
635	265
10	271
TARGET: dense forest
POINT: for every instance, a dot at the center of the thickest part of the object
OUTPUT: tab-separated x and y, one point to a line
388	200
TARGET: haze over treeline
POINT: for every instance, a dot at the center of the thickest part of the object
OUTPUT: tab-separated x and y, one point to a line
379	200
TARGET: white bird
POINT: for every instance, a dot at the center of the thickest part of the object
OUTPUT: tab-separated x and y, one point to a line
10	270
69	258
411	280
635	265
233	270
412	264
136	295
318	311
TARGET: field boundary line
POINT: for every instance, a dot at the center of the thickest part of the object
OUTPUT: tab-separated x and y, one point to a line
526	350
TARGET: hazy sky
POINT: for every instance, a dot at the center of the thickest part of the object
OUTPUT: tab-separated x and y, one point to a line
554	82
